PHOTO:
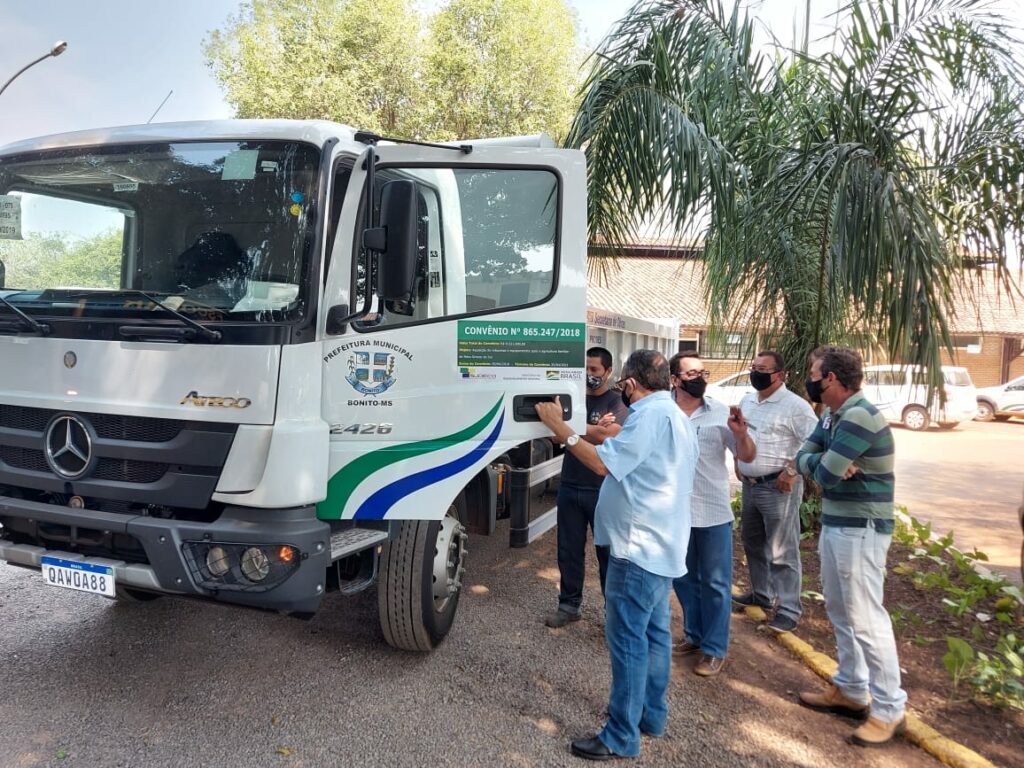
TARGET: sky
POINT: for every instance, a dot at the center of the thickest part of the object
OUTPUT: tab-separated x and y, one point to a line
125	56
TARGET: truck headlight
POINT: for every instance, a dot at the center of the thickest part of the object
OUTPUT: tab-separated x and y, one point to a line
217	561
255	564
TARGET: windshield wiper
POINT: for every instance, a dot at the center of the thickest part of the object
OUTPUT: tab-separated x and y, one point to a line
39	329
134	331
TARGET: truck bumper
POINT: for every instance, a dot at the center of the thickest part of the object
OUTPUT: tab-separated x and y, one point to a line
174	550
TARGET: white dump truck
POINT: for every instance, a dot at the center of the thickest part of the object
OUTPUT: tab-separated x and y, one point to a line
256	361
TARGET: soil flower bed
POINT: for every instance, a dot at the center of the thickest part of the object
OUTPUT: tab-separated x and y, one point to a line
920	578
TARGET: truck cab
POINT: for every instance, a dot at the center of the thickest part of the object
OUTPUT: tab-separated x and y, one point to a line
256	361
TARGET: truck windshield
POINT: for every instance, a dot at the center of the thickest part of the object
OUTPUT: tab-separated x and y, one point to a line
214	230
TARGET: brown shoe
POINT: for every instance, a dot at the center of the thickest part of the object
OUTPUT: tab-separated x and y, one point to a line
684	648
709	666
876	732
833	700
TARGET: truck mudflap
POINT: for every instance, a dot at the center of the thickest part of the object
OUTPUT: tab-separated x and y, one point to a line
273	559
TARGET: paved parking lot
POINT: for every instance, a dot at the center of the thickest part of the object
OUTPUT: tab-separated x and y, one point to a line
967	480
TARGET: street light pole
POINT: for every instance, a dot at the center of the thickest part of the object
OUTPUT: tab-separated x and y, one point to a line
58	48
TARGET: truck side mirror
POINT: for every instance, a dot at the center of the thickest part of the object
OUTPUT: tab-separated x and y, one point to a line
396	267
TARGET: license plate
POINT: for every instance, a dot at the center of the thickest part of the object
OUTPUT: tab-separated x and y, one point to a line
85	577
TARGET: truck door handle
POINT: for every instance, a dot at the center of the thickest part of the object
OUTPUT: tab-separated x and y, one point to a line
523	406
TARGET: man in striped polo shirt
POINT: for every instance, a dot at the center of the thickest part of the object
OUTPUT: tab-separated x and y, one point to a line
850	454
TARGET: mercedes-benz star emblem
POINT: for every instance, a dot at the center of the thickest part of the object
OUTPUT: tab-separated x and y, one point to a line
68	446
70	358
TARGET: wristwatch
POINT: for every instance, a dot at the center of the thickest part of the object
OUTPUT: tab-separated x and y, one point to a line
791	471
571	440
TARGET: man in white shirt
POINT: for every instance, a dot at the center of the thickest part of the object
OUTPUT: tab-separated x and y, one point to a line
779	421
705	590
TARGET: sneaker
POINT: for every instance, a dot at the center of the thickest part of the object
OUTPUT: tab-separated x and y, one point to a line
781	624
709	666
559	618
747	600
684	648
876	732
835	701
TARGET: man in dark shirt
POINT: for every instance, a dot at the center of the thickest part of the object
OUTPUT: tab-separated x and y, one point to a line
577	494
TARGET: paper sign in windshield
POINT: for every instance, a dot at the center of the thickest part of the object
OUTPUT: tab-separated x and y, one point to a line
240	165
10	217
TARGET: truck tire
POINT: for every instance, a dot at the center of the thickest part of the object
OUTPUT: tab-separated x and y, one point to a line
915	418
420	580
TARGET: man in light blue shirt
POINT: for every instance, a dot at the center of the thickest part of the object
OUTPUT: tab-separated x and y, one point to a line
643	516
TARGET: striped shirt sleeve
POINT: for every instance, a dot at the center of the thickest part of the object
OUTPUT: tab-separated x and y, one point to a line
809	455
853	437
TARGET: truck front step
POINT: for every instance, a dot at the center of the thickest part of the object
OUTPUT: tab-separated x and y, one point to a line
351	540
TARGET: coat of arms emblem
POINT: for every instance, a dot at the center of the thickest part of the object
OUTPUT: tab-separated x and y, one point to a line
371	373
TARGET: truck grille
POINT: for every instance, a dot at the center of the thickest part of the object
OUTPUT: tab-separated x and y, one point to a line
106	425
175	463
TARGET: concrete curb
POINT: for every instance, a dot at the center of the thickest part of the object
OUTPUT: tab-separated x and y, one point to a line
927	738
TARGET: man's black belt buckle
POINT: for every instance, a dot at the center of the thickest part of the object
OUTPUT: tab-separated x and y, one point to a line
762	478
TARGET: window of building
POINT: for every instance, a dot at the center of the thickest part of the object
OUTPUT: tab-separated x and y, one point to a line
971	344
724	345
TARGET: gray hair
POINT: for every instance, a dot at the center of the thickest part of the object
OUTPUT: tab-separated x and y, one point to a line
649	368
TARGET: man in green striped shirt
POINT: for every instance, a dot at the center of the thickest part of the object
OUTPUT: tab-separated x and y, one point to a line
851	456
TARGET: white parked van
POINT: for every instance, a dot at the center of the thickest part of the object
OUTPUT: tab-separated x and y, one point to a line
901	394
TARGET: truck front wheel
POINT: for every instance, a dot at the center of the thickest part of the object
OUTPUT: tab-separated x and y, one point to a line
420	579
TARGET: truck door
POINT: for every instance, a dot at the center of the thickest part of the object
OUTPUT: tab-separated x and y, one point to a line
422	393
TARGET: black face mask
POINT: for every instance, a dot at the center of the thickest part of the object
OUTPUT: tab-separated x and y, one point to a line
625	397
594	382
760	380
694	387
813	390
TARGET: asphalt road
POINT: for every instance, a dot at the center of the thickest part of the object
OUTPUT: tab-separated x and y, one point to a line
969	481
89	682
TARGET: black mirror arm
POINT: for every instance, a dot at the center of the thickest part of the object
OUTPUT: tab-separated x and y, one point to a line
370	242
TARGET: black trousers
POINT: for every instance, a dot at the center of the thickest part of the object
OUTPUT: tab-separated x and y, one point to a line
576	505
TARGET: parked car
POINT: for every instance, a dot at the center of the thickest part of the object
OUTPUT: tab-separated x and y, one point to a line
900	393
1002	401
731	389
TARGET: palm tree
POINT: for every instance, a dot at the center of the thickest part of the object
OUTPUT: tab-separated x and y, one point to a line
840	197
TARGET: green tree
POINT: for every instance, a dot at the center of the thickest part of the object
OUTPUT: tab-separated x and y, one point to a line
838	196
476	68
355	61
501	67
58	261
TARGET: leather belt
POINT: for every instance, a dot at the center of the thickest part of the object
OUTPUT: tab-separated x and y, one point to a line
762	478
880	524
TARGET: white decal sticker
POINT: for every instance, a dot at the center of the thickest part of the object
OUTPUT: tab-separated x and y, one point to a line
10	217
240	165
126	186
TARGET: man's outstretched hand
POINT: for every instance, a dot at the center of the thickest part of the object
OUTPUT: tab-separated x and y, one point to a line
550	413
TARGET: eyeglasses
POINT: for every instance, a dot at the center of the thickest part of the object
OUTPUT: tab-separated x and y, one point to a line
762	369
693	374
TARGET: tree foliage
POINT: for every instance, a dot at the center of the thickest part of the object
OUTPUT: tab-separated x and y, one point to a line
474	68
54	260
839	196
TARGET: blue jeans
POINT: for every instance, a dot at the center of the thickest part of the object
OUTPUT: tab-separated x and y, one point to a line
770	529
852	580
639	635
576	505
705	592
